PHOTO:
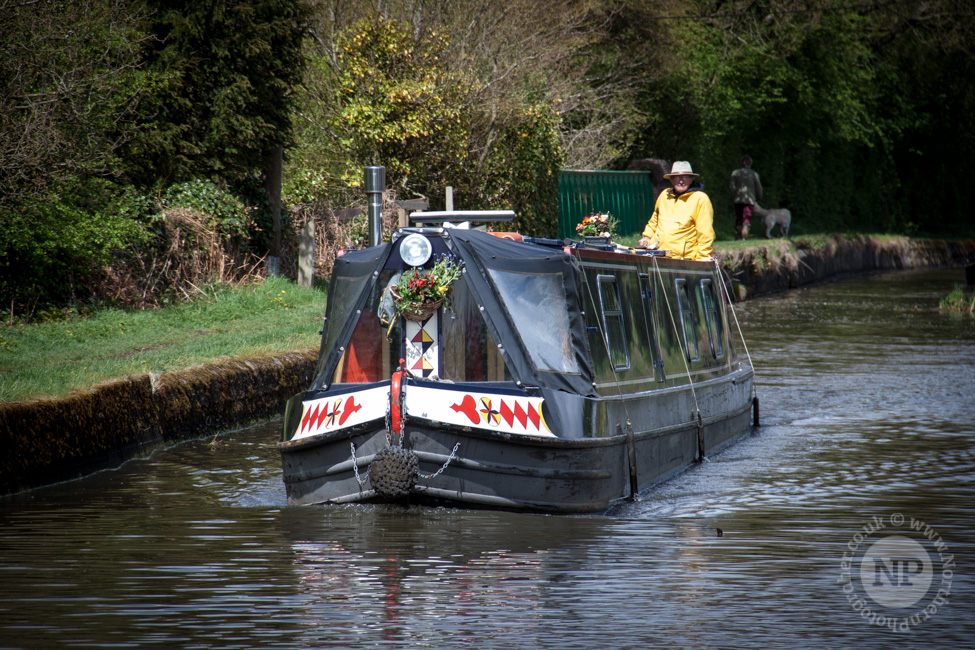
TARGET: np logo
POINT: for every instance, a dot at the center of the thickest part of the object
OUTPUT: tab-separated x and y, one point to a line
900	564
896	571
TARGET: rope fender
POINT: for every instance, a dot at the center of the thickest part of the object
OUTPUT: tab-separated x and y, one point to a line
393	472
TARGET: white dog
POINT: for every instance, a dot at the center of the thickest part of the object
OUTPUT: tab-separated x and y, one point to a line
779	216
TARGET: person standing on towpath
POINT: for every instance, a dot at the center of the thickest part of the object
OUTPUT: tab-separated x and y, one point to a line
746	191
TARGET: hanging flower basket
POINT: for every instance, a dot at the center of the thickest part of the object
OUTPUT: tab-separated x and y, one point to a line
414	311
419	293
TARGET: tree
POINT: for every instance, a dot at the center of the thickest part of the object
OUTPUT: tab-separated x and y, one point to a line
833	101
70	85
231	71
445	94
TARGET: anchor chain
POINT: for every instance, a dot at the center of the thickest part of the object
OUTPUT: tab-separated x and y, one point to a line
355	467
394	470
398	470
439	471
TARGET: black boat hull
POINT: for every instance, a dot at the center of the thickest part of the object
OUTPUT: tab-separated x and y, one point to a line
478	468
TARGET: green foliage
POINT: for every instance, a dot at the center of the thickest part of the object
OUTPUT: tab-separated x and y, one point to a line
225	211
398	105
229	72
359	232
146	93
394	96
856	115
523	171
99	241
957	302
71	85
381	95
848	112
260	230
305	186
51	251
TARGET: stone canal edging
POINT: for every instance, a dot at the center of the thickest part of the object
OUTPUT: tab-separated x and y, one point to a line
779	265
44	441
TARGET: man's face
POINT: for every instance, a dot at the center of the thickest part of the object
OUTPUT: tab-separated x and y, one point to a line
681	182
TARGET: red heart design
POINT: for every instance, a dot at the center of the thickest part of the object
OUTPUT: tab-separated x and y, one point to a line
468	407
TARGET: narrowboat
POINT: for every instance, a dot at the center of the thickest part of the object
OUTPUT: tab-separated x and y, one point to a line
555	377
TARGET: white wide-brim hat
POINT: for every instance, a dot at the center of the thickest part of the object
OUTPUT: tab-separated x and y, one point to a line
681	168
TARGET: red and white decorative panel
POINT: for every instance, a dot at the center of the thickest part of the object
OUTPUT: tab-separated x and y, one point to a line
341	411
505	413
423	347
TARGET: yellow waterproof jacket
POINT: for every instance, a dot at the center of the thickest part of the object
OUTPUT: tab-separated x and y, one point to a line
683	224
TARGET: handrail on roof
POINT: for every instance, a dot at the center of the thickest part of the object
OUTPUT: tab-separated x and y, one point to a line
459	216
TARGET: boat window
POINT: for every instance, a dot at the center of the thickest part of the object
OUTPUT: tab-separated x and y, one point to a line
468	352
688	324
369	355
646	293
347	285
712	318
345	291
537	305
612	315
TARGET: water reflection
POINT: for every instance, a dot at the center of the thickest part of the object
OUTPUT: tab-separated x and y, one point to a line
867	397
421	573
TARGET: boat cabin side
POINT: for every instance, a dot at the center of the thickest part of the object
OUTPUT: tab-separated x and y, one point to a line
655	322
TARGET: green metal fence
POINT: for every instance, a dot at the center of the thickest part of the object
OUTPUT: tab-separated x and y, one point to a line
628	196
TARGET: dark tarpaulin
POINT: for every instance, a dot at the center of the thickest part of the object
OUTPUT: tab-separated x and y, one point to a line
353	276
355	273
482	253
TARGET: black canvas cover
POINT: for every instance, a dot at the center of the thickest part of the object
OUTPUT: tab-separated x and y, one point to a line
353	276
531	300
521	332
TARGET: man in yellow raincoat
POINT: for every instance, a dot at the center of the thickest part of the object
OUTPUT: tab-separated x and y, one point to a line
683	220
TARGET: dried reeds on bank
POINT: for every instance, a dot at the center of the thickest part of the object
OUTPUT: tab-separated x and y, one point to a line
189	254
331	233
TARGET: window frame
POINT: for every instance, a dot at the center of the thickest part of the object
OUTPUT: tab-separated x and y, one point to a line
691	352
647	295
711	310
604	314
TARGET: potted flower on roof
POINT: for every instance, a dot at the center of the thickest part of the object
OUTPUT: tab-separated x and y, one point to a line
599	228
420	292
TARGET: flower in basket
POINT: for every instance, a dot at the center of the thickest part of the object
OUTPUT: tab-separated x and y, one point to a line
598	225
419	291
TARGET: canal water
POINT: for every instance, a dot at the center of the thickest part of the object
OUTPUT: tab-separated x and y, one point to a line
846	521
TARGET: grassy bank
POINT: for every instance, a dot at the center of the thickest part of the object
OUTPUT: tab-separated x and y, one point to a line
53	358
